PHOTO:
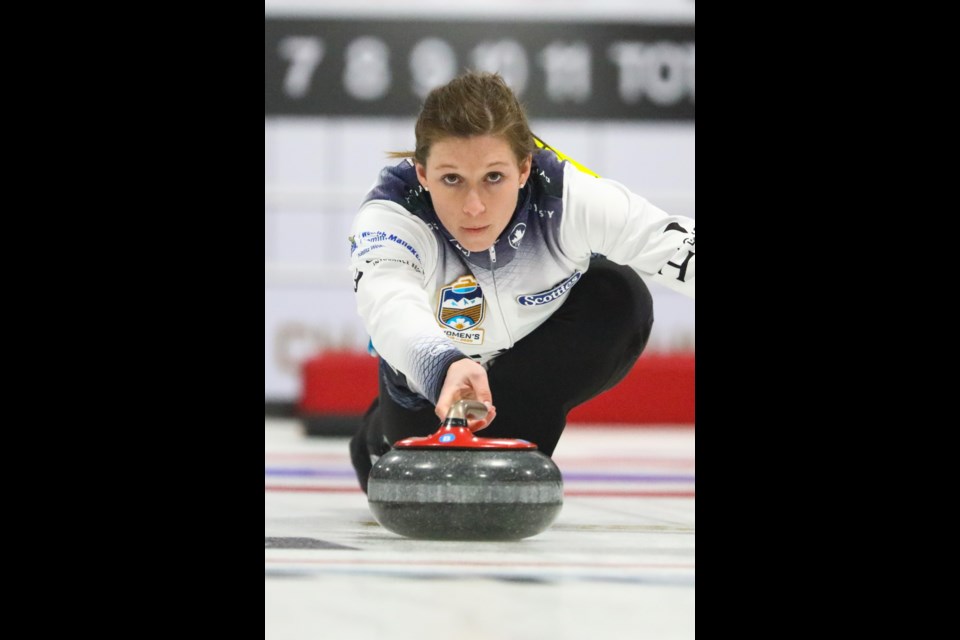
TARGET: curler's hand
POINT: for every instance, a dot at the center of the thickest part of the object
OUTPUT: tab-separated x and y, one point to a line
466	380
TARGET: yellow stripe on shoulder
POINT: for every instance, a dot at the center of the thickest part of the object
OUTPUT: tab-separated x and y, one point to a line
543	145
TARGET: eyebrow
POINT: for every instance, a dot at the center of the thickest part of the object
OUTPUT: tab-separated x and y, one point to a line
451	166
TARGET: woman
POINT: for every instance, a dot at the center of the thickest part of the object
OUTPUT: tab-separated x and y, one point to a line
486	268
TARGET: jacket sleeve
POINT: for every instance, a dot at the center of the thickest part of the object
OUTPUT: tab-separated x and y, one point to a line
393	256
603	216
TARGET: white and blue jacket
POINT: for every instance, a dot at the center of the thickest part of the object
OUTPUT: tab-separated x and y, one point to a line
426	301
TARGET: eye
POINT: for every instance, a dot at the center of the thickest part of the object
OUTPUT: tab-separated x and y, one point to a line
494	177
451	179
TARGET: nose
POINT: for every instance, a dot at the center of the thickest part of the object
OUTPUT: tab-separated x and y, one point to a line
472	205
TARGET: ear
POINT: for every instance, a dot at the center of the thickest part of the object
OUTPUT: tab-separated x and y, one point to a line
422	175
525	167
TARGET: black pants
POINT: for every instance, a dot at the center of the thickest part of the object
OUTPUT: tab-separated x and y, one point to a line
582	350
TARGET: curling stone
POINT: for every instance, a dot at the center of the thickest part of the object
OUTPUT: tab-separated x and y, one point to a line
453	485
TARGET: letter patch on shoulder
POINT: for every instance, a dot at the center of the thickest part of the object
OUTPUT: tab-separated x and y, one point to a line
460	310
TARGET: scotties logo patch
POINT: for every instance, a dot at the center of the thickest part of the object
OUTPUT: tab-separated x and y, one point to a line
545	297
460	310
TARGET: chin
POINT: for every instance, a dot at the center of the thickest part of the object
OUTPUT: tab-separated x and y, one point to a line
476	247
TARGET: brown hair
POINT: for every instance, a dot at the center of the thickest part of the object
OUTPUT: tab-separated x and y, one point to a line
473	104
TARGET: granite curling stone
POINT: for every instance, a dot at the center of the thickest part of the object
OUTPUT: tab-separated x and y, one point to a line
453	485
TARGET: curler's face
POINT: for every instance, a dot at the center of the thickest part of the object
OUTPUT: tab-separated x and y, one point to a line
474	184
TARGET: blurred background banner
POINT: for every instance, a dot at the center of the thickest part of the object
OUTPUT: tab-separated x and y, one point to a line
559	69
608	82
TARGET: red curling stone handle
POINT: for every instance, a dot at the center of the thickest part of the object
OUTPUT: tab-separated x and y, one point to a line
454	434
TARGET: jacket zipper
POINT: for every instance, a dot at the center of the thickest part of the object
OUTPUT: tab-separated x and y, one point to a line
496	294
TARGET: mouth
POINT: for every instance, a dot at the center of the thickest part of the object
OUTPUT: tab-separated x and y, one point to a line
475	230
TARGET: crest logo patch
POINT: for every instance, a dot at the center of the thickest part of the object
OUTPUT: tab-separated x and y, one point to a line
460	310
